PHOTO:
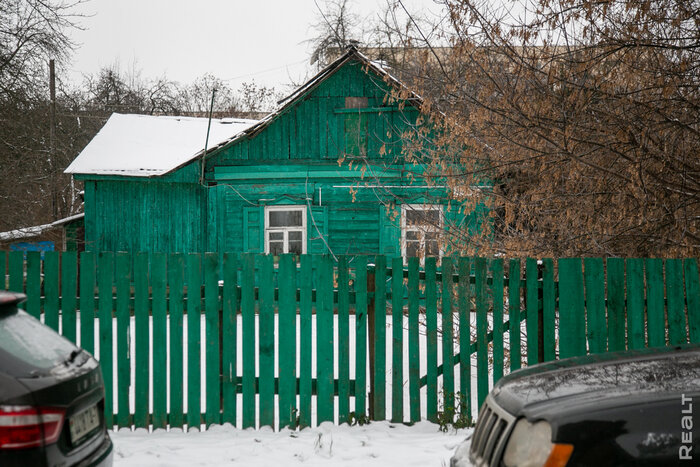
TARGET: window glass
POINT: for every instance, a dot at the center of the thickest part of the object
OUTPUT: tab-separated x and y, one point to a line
412	249
431	248
276	236
276	248
429	217
25	338
295	247
285	218
421	230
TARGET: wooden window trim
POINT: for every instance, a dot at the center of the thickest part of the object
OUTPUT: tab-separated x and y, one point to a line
286	230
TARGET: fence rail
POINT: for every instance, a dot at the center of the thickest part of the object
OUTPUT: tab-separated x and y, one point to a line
296	341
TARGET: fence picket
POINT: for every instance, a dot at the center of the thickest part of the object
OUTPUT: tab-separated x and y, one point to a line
141	347
33	291
51	289
343	340
231	300
212	341
397	340
656	319
3	269
87	301
514	314
266	342
548	310
69	292
431	339
324	340
413	340
465	366
497	295
194	325
482	355
532	307
692	293
635	303
16	271
105	283
287	341
160	342
379	389
448	375
616	304
305	340
572	324
248	338
176	279
360	336
595	304
675	303
123	284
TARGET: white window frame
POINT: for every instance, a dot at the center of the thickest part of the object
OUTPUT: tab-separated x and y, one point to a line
285	230
428	228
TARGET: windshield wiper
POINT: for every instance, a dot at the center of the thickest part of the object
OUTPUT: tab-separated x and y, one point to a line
71	358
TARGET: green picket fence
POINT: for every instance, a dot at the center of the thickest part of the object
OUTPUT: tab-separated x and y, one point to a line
467	323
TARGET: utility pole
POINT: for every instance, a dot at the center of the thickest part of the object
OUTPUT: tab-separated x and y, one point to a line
52	138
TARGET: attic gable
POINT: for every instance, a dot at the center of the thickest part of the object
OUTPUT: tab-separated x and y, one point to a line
340	112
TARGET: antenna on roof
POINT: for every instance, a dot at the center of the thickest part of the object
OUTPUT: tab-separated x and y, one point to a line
206	142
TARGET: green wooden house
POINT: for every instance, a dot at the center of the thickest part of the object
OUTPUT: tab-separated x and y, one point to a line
324	173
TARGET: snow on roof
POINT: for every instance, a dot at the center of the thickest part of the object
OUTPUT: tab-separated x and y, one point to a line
148	146
35	230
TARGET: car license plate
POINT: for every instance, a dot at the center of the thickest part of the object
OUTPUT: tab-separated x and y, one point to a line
83	423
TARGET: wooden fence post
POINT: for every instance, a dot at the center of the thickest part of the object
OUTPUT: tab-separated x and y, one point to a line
371	331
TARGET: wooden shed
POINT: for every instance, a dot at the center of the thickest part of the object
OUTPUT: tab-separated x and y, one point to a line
324	173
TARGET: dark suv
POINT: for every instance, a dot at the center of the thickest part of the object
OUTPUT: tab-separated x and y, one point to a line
633	408
51	396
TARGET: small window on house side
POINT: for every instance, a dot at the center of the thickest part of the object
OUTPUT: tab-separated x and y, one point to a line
285	230
421	225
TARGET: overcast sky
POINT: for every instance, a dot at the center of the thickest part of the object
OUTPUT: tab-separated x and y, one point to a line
236	40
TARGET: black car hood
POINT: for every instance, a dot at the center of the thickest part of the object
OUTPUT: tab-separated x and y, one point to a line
584	384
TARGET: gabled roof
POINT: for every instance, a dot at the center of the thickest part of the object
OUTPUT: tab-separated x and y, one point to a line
150	146
351	54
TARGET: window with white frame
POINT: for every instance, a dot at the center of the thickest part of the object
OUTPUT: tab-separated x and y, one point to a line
421	225
285	230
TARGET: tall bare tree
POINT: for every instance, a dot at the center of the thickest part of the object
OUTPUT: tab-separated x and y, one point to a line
576	122
31	33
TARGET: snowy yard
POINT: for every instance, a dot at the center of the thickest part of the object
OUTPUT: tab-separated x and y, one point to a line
376	444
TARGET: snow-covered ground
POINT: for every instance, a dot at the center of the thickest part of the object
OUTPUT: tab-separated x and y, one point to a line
376	444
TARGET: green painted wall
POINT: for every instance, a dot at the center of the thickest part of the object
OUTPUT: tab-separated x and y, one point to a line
144	215
350	210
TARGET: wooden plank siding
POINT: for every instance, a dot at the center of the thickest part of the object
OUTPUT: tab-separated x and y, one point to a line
144	215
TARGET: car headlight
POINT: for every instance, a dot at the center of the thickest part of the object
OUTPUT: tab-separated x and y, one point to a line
530	445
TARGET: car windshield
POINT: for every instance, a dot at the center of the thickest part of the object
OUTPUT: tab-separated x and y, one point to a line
29	341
